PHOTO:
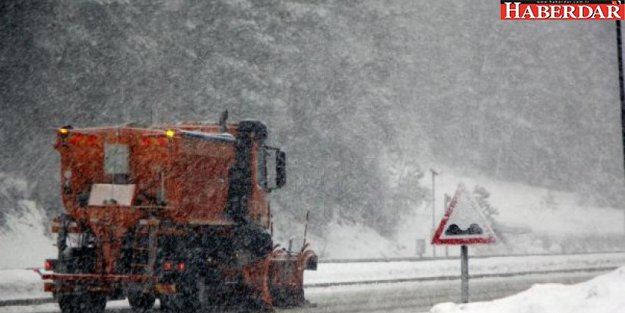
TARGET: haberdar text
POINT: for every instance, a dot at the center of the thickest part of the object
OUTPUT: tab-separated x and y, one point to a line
574	11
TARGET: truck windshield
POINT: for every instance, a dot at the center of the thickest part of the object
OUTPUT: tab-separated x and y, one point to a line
115	159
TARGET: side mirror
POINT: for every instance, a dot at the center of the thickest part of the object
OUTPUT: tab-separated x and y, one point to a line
280	169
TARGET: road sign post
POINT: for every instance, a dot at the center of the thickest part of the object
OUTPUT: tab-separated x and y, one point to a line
434	173
463	224
464	273
445	205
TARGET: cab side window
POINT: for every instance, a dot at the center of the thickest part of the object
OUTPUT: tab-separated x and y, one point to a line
261	166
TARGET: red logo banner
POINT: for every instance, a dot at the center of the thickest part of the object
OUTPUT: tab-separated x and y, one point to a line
562	10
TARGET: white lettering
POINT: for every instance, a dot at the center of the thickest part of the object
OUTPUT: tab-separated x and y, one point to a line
543	11
555	11
599	12
568	12
613	12
581	11
528	11
516	9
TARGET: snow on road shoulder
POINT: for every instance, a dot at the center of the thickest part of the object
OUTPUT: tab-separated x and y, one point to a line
21	284
23	244
602	294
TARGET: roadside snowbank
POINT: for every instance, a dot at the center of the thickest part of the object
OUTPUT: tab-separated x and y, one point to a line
536	209
602	294
23	243
532	219
345	240
21	284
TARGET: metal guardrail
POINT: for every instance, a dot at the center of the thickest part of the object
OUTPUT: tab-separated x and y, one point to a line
455	257
23	302
457	277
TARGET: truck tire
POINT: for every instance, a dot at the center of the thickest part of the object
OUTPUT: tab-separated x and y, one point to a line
169	303
96	303
68	303
175	304
186	301
82	303
141	302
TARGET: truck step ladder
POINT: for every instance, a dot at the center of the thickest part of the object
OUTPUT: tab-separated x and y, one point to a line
144	247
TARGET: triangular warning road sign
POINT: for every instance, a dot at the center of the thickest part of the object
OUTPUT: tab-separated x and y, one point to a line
463	223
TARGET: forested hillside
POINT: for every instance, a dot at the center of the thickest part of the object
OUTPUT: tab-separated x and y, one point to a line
363	95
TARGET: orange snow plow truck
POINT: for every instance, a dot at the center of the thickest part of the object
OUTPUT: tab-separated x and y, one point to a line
178	213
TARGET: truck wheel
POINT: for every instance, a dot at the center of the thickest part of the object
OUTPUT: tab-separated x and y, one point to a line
141	302
82	303
181	303
68	303
172	304
96	303
167	304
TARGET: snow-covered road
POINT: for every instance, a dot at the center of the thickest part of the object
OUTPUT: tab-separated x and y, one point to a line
26	284
388	297
420	296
